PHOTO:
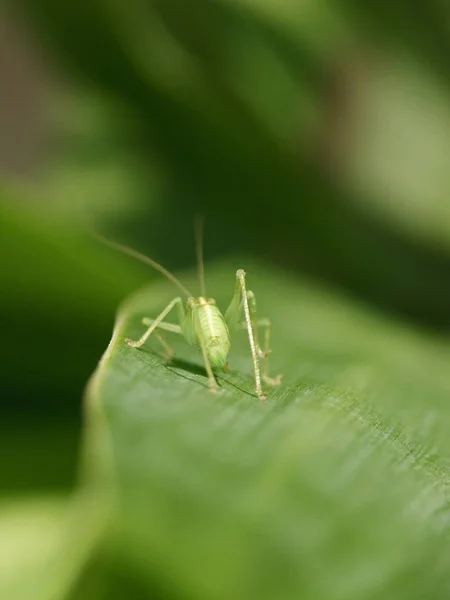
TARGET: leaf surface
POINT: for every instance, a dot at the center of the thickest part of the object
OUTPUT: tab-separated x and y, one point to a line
334	487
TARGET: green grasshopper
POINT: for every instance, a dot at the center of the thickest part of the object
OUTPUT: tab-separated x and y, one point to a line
202	323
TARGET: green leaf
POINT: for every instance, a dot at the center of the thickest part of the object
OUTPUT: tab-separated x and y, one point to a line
45	543
335	487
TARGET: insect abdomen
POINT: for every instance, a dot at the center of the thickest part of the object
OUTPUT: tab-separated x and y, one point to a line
214	331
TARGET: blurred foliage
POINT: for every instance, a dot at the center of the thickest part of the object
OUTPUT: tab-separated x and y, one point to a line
69	280
314	136
239	106
45	543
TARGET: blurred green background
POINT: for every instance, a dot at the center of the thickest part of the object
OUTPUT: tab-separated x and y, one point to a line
313	136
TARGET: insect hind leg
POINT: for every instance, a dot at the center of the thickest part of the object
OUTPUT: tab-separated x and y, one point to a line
265	367
241	290
262	353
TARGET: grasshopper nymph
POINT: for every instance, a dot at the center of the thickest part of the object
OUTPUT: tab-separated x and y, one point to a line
202	323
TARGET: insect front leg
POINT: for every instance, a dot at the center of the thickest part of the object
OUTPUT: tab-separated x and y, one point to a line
240	301
154	323
172	327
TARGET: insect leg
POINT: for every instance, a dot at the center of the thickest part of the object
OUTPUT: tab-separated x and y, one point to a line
241	298
265	370
193	332
168	350
156	322
264	354
172	327
234	310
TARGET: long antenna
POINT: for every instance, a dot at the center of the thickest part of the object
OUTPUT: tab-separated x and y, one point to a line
199	252
148	261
